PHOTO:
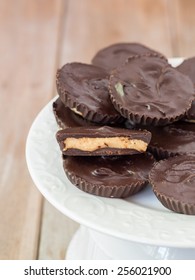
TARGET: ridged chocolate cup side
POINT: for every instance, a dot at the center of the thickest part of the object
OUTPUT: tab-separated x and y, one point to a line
175	205
59	121
143	119
106	191
162	192
160	153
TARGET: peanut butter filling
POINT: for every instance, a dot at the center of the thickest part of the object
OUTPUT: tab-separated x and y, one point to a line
91	144
76	111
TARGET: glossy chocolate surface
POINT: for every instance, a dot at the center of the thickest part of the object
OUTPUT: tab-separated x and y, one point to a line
175	178
110	171
148	89
116	54
84	88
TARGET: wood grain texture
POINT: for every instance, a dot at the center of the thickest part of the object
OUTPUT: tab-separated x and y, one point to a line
182	23
56	233
91	25
29	36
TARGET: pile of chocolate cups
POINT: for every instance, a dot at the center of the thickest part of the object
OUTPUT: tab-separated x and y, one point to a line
126	121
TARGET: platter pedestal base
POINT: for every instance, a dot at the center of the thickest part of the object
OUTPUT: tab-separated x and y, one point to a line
88	244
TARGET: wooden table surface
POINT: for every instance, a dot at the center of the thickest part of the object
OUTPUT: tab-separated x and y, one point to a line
37	37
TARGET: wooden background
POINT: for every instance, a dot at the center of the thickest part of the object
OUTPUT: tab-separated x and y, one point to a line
37	37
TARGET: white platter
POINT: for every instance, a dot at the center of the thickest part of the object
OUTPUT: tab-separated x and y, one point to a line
140	218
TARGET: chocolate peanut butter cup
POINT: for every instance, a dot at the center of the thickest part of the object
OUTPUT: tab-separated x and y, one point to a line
113	176
84	89
174	139
148	91
173	182
65	117
116	54
104	140
187	67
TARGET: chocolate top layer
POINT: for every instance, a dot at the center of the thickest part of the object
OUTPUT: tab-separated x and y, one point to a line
187	67
175	178
148	86
116	54
177	138
110	171
103	131
84	88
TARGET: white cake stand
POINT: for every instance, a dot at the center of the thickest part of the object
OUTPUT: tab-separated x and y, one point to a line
135	228
88	244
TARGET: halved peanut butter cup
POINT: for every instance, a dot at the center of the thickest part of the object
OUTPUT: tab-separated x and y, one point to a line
103	140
